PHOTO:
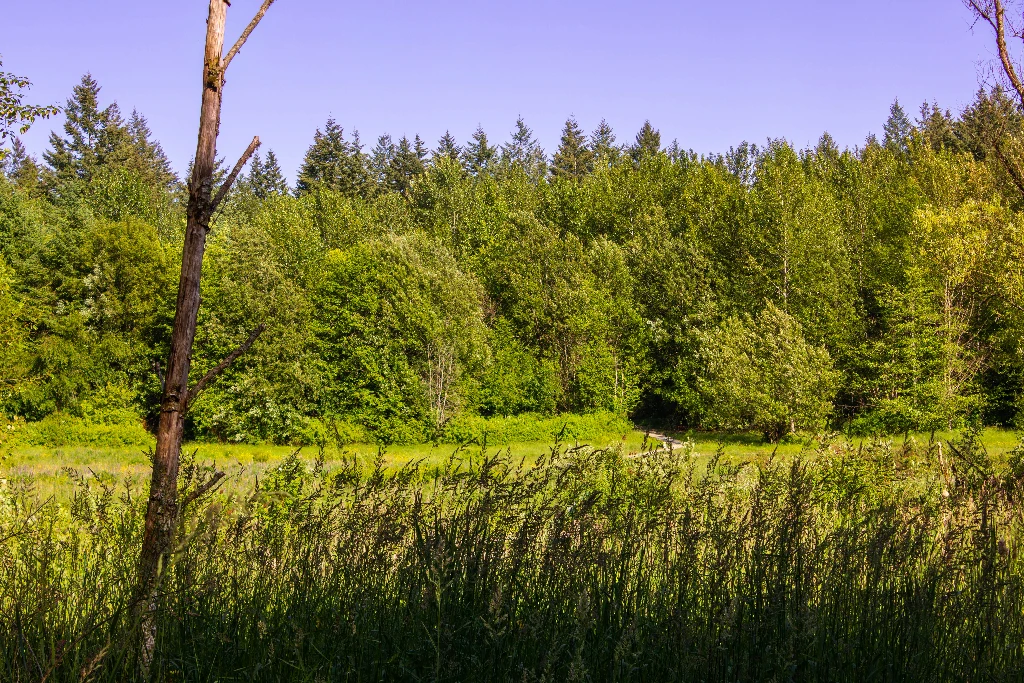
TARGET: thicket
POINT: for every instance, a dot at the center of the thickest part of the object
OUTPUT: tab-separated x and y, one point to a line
876	289
879	563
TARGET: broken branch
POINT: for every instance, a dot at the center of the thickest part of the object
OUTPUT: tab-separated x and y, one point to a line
202	490
239	165
220	367
245	35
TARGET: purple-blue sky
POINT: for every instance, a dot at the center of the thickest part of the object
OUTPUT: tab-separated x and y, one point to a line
710	74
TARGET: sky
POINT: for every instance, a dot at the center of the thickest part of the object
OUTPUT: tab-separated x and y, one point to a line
709	74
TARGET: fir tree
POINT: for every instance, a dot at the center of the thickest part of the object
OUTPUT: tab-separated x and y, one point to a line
93	136
380	160
573	159
447	148
12	162
990	120
147	156
602	142
524	151
265	177
938	128
334	163
648	143
479	156
20	168
406	164
420	148
897	129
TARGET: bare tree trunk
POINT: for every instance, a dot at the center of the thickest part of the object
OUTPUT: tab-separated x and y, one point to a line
162	510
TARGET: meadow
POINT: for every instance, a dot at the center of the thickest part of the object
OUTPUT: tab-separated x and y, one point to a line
884	559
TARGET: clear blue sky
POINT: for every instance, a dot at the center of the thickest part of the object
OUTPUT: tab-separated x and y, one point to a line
710	74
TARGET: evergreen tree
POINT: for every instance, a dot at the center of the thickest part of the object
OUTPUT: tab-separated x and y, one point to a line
147	156
420	148
479	155
405	165
381	157
897	130
648	143
265	177
93	136
15	160
991	119
573	159
447	148
334	163
602	142
938	128
524	151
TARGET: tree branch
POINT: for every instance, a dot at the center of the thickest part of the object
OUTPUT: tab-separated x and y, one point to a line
1011	168
202	490
239	165
220	367
994	15
245	35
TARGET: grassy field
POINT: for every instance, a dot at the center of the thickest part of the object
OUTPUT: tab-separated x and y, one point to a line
45	467
753	448
875	562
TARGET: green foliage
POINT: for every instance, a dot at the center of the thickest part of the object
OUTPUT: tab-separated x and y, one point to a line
334	163
398	333
16	117
402	292
764	375
525	427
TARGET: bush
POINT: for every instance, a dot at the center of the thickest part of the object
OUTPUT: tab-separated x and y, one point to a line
499	431
763	374
64	430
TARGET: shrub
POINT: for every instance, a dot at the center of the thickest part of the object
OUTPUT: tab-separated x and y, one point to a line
501	431
59	429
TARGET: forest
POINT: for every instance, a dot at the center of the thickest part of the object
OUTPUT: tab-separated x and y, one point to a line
402	419
408	291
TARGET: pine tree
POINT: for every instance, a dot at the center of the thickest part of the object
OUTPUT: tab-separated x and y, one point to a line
648	143
938	128
405	165
573	159
265	177
380	160
524	151
602	142
93	136
479	156
334	163
447	148
148	157
12	162
992	119
897	129
420	148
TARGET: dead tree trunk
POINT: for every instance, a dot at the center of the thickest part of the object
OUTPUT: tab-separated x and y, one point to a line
162	511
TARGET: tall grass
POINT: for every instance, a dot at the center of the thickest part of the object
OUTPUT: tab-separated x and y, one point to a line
877	563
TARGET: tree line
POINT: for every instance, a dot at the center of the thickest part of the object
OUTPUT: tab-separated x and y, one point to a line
876	289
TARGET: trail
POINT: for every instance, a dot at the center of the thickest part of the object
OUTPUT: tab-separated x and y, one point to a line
667	441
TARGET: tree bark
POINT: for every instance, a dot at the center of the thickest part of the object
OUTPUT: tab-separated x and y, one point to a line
162	509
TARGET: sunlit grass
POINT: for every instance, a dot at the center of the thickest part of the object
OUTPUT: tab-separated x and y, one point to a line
45	467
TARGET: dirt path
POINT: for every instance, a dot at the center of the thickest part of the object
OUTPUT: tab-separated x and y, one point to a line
667	441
